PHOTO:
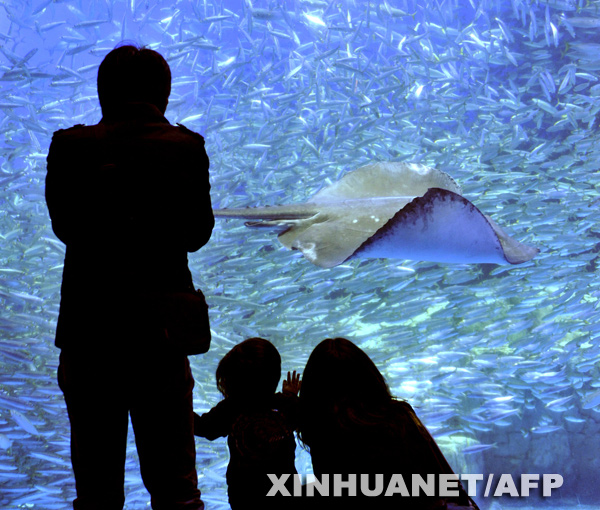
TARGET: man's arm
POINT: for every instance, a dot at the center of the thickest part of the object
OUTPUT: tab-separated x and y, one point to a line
198	214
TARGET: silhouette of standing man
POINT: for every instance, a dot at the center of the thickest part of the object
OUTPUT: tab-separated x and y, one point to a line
129	197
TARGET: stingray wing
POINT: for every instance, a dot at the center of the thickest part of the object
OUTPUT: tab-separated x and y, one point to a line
442	226
387	179
339	228
514	251
357	206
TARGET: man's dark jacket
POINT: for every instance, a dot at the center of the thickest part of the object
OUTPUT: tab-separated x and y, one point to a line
130	198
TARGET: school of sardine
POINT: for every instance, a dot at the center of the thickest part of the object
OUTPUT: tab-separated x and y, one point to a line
501	363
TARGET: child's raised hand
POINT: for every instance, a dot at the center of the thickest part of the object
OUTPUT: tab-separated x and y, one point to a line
292	383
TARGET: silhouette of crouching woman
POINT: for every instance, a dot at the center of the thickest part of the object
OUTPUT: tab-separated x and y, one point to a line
352	425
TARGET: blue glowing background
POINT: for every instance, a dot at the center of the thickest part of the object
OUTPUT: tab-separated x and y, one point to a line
501	363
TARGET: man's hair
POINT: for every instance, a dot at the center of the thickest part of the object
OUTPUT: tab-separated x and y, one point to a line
130	74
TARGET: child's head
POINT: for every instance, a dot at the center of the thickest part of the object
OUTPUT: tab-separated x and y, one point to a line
252	368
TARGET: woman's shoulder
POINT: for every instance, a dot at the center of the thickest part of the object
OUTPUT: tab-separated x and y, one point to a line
403	412
402	406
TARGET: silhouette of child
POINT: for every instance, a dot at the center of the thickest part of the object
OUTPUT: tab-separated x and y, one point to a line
257	421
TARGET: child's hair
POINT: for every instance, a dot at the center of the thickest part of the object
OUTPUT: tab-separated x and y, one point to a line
251	369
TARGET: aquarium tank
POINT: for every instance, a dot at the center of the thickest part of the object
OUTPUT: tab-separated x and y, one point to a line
501	362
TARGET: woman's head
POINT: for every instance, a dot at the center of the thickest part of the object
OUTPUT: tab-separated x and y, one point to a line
339	371
342	391
251	369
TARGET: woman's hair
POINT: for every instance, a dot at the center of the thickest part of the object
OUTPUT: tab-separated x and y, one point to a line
341	387
131	74
251	369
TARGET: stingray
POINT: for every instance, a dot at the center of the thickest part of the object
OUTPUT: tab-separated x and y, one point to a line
388	210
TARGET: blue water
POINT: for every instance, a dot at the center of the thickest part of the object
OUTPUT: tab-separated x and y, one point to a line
502	95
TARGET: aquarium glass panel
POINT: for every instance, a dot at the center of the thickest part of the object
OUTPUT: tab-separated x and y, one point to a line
500	361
